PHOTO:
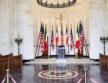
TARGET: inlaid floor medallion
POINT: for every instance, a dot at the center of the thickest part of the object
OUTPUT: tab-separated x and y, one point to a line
53	74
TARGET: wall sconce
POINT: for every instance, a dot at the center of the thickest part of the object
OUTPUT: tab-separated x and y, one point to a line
104	40
18	41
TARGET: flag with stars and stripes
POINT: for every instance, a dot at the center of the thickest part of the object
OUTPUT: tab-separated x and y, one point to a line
66	36
57	38
41	38
81	38
62	37
77	38
71	39
52	39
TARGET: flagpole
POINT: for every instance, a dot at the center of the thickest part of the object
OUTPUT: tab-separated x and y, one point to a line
39	41
68	43
56	50
37	45
56	34
47	45
49	40
73	40
86	45
39	48
68	36
86	48
68	48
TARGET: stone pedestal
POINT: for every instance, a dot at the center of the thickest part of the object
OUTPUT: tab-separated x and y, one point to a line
76	55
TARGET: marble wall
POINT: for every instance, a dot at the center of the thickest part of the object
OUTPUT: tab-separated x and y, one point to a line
24	27
17	19
97	25
106	28
6	26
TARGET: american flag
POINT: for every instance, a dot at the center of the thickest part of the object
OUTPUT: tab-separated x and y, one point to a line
81	38
71	39
57	38
62	37
41	38
45	39
66	36
52	39
77	38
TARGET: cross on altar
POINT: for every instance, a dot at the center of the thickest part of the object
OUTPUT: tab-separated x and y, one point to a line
61	17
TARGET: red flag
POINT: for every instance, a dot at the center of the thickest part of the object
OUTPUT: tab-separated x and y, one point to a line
66	36
62	37
52	39
77	38
66	40
46	45
61	40
45	39
77	44
42	45
57	38
81	37
41	38
71	39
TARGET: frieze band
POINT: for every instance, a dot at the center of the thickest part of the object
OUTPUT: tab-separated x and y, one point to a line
51	5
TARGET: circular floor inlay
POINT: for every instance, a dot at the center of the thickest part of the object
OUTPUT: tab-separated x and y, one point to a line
57	74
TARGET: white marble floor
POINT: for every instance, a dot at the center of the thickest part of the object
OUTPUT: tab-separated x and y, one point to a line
66	61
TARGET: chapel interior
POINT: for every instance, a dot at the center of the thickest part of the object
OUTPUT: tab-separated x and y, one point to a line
53	41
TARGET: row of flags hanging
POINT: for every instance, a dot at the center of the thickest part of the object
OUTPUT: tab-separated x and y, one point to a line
55	38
